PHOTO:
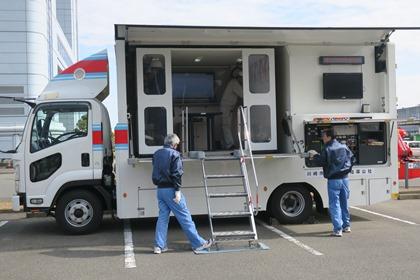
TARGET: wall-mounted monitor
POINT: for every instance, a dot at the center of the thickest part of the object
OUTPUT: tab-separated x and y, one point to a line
192	87
343	85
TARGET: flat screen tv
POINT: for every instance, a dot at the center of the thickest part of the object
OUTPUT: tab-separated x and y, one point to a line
343	85
193	86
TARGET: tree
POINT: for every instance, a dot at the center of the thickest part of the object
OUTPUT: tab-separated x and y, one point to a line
82	124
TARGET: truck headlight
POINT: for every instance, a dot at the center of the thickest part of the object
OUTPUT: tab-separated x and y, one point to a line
17	185
17	171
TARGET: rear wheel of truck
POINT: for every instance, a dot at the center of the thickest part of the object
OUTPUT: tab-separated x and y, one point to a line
291	204
79	212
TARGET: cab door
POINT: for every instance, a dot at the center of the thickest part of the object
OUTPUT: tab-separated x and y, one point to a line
154	100
260	97
59	149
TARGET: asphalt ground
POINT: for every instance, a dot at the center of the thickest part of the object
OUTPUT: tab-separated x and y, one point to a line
379	247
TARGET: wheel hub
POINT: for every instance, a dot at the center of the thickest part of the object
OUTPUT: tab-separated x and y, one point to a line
79	212
292	203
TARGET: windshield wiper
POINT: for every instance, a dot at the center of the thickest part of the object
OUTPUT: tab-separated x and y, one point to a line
8	152
28	101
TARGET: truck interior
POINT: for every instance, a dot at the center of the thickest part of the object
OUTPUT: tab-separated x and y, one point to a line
205	92
199	80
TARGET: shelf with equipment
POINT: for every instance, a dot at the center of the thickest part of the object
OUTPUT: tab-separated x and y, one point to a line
372	147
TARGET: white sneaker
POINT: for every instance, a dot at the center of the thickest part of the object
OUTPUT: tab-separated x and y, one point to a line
204	246
337	233
347	229
158	250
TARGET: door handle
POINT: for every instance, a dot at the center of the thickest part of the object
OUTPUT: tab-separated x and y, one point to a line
85	159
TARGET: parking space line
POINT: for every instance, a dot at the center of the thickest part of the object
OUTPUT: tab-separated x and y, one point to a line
291	239
383	215
129	257
2	223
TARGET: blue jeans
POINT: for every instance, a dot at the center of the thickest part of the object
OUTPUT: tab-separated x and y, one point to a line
165	198
338	195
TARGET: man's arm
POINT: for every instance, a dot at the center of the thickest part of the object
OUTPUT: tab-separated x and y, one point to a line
322	158
155	172
351	156
238	90
176	171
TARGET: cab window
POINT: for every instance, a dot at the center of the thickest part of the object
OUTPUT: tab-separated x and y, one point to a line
54	124
414	144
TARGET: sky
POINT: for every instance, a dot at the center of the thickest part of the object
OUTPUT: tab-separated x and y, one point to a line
96	19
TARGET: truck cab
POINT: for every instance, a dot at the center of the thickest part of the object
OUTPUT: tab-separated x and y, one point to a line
64	163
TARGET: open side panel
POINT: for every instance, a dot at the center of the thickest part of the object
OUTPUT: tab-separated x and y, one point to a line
259	92
154	93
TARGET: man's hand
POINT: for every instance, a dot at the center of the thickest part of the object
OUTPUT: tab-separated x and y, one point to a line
312	153
177	197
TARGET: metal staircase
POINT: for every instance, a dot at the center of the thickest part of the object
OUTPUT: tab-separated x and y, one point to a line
242	155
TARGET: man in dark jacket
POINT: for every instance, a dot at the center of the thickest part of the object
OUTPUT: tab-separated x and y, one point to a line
336	160
167	173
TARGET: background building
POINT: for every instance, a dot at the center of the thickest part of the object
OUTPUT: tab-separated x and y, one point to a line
38	39
409	119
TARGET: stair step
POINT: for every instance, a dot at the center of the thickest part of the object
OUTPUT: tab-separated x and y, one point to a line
221	158
235	233
224	176
231	214
233	194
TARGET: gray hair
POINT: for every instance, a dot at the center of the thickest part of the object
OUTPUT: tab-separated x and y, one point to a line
171	140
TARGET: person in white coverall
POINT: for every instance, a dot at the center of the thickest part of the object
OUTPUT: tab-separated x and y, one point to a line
232	93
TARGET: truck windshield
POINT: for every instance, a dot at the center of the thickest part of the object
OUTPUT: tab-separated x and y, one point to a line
54	124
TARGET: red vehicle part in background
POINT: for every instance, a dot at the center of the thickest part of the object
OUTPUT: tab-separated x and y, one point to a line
405	156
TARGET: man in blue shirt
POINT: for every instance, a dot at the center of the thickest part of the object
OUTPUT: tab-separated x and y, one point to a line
337	161
167	174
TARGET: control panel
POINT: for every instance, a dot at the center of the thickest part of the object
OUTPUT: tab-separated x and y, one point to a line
313	136
347	134
344	133
367	141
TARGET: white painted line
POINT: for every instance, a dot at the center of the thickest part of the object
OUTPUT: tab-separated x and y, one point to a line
2	223
129	258
291	239
383	215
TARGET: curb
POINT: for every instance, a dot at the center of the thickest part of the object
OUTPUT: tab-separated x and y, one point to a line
9	211
406	196
6	207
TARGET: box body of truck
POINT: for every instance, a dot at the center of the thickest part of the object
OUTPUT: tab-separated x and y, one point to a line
294	79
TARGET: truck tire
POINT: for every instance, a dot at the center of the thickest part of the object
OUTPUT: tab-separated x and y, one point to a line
291	204
79	212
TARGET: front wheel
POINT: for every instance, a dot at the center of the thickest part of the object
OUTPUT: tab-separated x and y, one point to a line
291	204
79	212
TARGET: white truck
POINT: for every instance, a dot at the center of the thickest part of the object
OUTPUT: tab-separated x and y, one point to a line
171	79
